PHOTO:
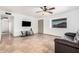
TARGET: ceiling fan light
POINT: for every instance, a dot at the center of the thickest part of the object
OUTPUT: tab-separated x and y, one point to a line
44	13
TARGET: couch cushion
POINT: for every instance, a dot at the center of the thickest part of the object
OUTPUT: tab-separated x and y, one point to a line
68	43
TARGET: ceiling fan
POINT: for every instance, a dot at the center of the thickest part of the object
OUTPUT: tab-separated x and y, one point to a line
46	9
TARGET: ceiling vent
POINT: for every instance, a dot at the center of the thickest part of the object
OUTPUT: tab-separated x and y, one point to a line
7	13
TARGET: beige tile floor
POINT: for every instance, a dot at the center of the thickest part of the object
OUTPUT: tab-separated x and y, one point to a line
38	43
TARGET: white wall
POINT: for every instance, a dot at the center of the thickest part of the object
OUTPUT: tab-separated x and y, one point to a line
11	24
72	23
18	18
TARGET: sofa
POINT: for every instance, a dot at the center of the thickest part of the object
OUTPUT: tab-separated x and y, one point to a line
66	46
69	44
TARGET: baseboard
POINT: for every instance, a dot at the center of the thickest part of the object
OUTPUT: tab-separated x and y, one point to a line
53	35
49	34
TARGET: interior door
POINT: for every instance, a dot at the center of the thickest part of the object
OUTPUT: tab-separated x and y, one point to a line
5	26
40	26
0	28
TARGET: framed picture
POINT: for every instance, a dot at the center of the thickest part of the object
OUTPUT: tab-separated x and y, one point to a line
59	23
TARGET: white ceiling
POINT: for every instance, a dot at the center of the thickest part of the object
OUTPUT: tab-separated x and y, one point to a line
31	10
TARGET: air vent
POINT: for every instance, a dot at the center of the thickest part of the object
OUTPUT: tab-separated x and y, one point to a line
7	13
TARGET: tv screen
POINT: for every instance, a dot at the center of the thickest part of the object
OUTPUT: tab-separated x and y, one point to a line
59	23
26	23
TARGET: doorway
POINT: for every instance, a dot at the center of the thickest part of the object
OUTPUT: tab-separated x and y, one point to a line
6	27
40	26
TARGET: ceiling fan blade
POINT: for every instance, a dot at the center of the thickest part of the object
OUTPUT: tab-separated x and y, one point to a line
38	11
50	12
41	7
51	8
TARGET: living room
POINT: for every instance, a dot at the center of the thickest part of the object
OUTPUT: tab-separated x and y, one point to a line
41	26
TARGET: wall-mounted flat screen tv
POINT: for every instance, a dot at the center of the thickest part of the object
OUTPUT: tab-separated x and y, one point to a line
59	23
26	23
